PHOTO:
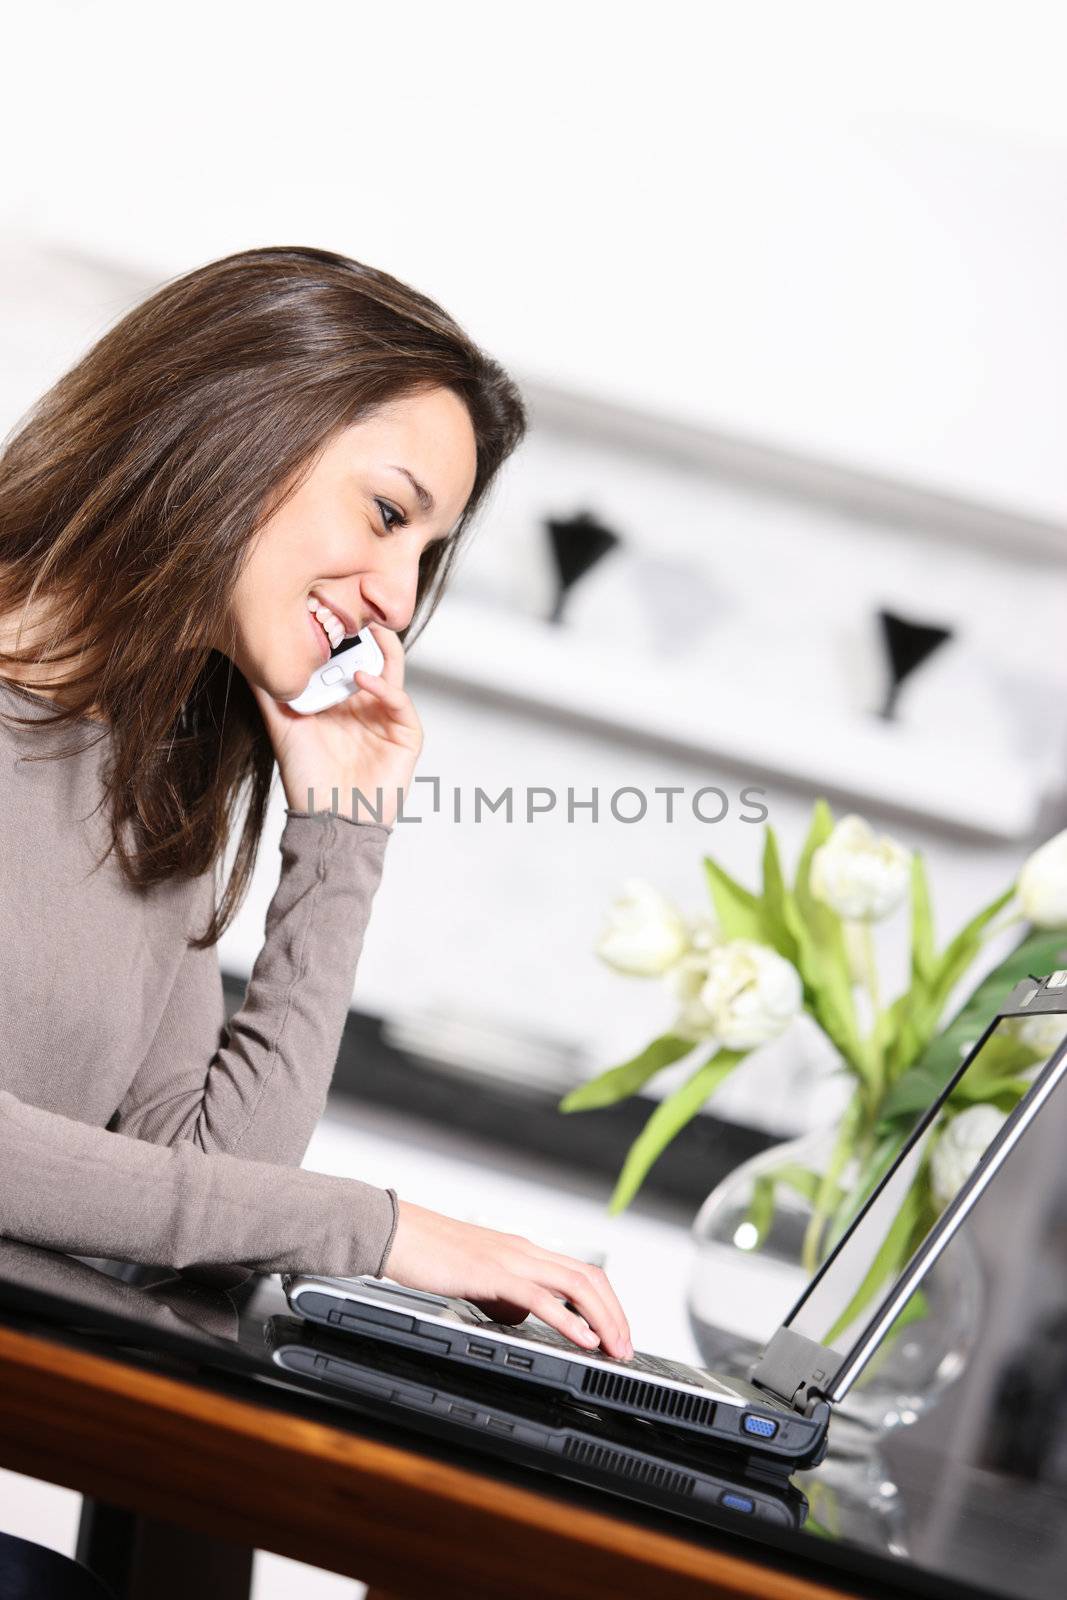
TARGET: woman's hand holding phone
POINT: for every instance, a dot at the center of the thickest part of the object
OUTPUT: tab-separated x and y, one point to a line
370	741
507	1276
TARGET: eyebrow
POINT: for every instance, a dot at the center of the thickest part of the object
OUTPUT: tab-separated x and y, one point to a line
425	498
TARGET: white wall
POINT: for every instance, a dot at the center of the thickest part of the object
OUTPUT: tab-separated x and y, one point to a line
833	226
499	921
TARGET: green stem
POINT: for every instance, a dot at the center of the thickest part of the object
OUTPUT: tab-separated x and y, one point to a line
874	1053
870	968
823	1206
862	1149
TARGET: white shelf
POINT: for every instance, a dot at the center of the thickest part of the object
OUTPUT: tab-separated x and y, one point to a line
502	653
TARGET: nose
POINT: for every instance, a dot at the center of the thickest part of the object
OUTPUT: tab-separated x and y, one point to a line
389	593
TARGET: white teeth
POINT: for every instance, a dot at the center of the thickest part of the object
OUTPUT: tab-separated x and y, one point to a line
333	626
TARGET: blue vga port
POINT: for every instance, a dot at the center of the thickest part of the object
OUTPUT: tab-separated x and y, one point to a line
763	1427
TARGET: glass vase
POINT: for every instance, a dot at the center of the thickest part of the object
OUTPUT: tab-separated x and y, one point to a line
740	1290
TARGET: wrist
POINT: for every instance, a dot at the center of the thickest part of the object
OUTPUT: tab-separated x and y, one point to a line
383	1263
353	803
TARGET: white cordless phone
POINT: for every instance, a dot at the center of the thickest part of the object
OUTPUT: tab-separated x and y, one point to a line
335	680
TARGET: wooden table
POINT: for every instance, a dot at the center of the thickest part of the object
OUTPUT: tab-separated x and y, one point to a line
185	1457
160	1400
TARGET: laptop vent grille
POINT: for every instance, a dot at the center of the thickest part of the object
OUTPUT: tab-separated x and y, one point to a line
633	1467
656	1397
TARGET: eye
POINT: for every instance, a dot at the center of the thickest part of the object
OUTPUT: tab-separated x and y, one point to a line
387	511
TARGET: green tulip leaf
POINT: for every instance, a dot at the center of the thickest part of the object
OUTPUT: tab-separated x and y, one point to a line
775	917
736	908
805	1182
923	948
822	826
669	1118
1040	951
822	958
961	951
827	987
1004	1093
760	1212
1004	1056
631	1076
761	1209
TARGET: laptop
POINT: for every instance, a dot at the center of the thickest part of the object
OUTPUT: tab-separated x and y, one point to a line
781	1414
624	1455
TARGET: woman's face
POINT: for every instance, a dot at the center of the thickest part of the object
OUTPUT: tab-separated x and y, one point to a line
338	537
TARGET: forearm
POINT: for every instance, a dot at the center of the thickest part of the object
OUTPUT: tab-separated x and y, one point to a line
71	1187
257	1087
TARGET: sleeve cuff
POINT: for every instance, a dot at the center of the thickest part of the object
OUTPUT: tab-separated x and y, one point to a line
325	814
379	1271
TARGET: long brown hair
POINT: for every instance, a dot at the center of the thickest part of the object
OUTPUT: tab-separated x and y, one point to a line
131	491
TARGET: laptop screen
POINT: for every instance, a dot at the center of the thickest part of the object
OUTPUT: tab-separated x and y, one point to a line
936	1153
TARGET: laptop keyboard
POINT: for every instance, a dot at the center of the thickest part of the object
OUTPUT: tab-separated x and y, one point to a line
662	1368
541	1333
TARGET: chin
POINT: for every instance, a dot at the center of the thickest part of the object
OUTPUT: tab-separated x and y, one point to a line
280	687
291	689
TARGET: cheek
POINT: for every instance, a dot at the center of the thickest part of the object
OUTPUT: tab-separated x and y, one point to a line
259	598
274	574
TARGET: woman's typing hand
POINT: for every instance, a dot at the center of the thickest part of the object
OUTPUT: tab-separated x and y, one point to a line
507	1276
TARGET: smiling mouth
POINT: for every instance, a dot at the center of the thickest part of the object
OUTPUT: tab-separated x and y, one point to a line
343	623
321	631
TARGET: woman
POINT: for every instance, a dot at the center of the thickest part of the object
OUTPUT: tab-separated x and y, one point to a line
278	432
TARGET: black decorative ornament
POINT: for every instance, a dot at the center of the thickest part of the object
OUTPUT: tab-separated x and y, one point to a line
578	543
908	645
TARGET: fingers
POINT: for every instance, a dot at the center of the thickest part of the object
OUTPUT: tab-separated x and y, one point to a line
395	701
611	1300
506	1275
588	1288
392	650
544	1304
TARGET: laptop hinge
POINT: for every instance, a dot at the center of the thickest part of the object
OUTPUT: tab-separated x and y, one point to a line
796	1370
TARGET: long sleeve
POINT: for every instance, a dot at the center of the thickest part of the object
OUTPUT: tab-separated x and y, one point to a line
258	1088
90	1192
133	1122
199	1164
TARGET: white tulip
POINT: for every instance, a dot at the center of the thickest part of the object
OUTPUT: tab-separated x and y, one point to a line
688	976
704	933
1042	884
685	980
860	877
644	934
960	1148
751	993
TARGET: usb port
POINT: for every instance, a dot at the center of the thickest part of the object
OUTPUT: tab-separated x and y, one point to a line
483	1350
513	1360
